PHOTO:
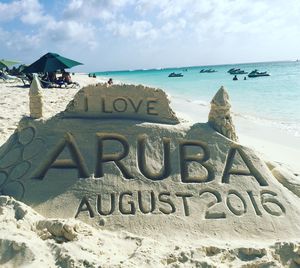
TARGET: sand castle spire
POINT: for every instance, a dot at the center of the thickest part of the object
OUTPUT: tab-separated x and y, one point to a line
220	117
35	98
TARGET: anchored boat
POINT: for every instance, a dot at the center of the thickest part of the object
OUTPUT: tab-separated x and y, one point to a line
175	75
256	73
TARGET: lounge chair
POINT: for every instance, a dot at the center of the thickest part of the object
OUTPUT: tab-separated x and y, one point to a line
26	79
56	84
8	78
72	85
47	84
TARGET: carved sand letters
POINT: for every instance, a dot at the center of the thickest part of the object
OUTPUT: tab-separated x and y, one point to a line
76	161
218	205
125	104
128	203
252	171
122	101
141	157
240	206
202	157
104	158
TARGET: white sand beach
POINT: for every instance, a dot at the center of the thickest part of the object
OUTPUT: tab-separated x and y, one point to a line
28	238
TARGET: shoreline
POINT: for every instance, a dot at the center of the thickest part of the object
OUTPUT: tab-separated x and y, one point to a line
269	141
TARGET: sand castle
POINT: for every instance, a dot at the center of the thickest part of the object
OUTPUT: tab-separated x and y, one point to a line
118	158
35	98
220	117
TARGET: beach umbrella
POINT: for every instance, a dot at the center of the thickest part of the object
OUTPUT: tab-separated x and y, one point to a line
7	63
51	62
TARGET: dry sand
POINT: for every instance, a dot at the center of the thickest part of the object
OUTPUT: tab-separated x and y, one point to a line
28	239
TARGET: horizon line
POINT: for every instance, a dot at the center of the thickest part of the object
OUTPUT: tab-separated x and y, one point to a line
193	66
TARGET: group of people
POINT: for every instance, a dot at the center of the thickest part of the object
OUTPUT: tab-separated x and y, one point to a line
109	82
235	78
64	78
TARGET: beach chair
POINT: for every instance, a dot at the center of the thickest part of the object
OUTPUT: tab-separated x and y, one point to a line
63	84
47	84
72	85
8	78
25	79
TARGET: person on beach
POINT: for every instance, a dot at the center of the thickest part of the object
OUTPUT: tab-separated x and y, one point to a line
235	78
52	77
66	77
110	81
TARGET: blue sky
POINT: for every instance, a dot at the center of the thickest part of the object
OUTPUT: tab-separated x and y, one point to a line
134	34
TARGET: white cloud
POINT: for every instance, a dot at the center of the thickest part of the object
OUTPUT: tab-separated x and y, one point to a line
33	13
19	41
218	16
95	9
48	28
24	42
169	24
173	28
9	11
29	11
71	32
138	29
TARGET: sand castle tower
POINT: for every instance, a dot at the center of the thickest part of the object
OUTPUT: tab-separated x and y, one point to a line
35	99
220	117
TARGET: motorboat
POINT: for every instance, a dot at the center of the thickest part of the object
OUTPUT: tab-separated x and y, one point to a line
207	71
256	73
235	71
175	75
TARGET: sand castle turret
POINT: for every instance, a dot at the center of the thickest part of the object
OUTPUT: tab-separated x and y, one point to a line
220	117
35	99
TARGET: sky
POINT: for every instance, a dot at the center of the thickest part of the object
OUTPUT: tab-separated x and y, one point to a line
141	34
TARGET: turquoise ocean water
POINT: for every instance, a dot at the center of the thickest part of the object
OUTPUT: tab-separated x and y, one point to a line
271	100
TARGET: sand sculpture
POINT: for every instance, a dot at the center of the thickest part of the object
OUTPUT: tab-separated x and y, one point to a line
118	158
35	98
220	117
122	101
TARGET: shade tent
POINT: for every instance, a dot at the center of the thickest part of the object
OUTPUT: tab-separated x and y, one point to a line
7	63
51	62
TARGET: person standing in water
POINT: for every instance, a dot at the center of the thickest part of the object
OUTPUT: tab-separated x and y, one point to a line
110	81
